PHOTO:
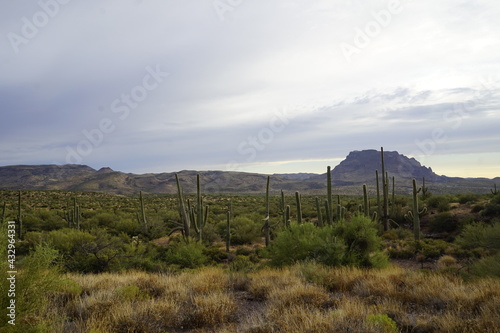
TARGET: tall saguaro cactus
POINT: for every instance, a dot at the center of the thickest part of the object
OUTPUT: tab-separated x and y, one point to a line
143	213
366	206
185	224
329	213
228	226
267	225
299	208
385	191
414	215
318	210
199	216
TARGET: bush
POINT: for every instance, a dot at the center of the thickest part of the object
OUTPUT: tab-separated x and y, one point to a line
243	230
467	198
186	255
480	235
383	323
440	202
360	236
444	222
493	207
488	266
306	242
241	264
37	279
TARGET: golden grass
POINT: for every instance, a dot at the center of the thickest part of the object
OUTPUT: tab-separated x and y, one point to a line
277	300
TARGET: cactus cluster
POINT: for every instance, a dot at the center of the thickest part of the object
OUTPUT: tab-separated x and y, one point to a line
74	216
189	214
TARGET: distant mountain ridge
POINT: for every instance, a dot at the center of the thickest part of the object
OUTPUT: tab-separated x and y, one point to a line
356	169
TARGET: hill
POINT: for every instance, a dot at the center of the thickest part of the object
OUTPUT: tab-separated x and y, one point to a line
358	168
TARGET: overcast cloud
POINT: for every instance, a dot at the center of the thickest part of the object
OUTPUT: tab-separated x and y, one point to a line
261	86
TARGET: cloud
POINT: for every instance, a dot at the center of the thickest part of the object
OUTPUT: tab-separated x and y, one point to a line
229	78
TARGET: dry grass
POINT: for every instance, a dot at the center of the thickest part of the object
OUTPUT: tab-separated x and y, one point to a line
278	300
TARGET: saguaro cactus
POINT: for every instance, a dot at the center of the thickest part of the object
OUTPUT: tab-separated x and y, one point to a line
385	191
199	216
318	210
267	225
366	206
299	208
329	213
185	224
228	227
414	214
287	216
379	210
494	190
144	221
425	190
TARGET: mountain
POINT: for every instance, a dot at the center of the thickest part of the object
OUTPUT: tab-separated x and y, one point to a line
356	169
359	167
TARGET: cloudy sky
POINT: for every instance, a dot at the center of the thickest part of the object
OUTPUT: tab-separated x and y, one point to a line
261	86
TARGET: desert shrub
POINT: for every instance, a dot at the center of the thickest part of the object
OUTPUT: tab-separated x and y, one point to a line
480	235
439	202
360	236
477	208
215	254
447	263
241	264
243	230
383	323
401	249
306	242
431	248
38	277
444	222
87	251
131	293
493	207
467	198
488	266
186	255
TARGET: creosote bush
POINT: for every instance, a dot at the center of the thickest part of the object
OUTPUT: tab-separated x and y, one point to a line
352	242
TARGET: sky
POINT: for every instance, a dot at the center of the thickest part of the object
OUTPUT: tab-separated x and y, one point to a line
262	86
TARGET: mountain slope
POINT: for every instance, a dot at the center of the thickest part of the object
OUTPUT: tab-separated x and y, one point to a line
358	168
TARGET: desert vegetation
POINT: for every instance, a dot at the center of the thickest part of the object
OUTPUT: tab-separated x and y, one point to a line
276	262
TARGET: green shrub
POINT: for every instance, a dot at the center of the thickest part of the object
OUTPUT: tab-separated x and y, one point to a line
440	202
306	242
467	198
444	222
241	264
186	255
243	231
360	236
480	235
488	266
383	323
131	293
37	279
492	209
215	254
